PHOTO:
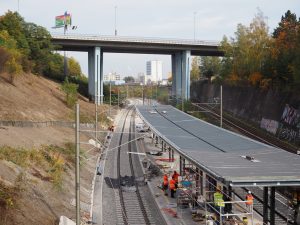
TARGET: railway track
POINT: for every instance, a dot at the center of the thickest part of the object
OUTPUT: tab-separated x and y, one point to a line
131	205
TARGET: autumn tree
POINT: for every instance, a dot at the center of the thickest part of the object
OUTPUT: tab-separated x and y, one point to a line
74	67
284	52
247	51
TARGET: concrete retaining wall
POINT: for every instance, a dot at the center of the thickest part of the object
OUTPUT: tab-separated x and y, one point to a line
278	113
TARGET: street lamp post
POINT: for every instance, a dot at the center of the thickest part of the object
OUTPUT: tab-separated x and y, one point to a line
109	96
116	21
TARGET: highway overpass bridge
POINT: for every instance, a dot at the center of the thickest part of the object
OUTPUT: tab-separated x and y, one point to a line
181	51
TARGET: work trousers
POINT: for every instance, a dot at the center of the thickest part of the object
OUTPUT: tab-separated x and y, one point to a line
173	193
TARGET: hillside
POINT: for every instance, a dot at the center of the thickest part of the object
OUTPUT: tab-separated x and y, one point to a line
36	98
37	163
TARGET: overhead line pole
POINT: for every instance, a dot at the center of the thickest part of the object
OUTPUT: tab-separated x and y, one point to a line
77	172
221	106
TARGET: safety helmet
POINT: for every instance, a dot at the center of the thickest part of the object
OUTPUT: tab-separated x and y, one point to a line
249	192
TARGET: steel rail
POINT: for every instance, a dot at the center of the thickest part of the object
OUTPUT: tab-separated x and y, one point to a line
126	216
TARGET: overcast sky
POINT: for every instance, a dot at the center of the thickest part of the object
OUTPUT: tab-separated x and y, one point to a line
149	18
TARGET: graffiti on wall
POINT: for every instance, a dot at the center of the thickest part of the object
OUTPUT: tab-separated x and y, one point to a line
269	125
289	126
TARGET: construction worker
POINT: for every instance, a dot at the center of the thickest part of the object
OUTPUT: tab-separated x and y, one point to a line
172	187
218	200
165	184
249	200
175	177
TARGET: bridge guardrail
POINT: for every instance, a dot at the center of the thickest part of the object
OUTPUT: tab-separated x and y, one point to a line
157	40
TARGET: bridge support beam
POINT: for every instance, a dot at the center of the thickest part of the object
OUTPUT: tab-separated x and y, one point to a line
181	75
95	69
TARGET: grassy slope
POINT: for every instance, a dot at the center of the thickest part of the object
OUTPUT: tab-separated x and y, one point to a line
29	193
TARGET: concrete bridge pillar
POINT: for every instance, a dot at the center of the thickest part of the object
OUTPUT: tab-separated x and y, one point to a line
95	69
181	74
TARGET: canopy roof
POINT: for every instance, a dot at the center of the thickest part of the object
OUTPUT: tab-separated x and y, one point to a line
228	157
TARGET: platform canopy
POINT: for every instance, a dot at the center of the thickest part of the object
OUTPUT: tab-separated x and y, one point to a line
230	158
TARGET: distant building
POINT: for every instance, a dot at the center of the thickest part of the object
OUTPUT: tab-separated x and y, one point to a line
141	78
153	72
111	77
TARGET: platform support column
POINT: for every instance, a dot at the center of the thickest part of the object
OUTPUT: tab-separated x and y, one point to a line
197	182
180	165
272	206
204	185
265	205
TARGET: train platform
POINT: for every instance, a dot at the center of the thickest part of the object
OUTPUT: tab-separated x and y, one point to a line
173	211
219	159
172	214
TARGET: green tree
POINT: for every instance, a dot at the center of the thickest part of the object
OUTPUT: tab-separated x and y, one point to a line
195	71
210	66
129	79
70	90
39	41
55	67
14	24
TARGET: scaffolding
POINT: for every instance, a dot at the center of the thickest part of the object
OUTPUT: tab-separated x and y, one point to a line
196	190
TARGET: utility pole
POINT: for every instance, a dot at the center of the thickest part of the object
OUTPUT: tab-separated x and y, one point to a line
195	25
65	56
143	97
221	106
96	109
118	98
109	96
116	33
77	175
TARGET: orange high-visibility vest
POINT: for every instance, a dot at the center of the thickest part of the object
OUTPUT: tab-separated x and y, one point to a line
165	180
175	177
249	199
172	184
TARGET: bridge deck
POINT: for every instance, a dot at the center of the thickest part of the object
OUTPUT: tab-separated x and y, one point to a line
140	45
219	152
